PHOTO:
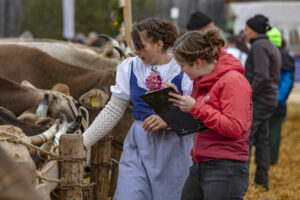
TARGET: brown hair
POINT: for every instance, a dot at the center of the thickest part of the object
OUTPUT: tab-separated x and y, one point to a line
155	29
194	44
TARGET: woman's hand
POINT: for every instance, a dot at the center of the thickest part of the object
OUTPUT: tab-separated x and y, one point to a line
154	123
166	85
185	103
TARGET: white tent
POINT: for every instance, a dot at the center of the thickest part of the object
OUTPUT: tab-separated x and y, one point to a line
68	19
284	15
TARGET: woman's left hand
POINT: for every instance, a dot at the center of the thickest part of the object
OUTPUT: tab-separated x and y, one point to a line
185	103
154	123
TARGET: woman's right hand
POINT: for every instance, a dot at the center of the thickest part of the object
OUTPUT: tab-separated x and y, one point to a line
185	103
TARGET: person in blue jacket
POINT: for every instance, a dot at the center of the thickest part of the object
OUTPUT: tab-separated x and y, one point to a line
284	87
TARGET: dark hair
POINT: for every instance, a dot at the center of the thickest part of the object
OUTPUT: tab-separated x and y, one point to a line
231	39
259	23
198	20
155	29
195	44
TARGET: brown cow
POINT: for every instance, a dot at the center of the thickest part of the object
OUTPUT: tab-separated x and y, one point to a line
73	54
18	99
15	183
29	130
23	63
20	63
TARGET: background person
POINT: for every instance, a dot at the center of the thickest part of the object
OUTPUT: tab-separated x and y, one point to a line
221	99
284	88
199	21
230	46
262	71
155	161
92	39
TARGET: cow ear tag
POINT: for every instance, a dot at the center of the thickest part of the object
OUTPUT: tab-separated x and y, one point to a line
95	102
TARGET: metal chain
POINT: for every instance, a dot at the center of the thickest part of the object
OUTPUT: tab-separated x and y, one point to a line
109	138
84	186
66	158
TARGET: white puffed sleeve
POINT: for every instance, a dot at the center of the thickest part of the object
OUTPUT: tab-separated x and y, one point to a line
105	121
122	87
186	85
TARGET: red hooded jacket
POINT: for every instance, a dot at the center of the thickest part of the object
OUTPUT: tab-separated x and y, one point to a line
224	105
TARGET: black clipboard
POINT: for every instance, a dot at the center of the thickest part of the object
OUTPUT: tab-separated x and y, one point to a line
180	122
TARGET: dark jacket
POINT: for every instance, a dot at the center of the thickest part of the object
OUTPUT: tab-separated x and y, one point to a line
223	104
263	69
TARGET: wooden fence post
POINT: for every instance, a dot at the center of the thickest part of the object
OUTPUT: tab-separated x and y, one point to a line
72	156
101	166
127	19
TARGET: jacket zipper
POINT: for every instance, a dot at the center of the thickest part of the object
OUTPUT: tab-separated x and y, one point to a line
194	149
195	143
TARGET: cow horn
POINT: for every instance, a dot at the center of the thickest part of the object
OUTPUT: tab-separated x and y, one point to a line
42	109
105	36
45	136
125	43
74	125
121	52
25	83
62	130
113	41
127	49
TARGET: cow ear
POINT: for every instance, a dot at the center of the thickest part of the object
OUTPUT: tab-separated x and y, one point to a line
25	83
94	99
27	117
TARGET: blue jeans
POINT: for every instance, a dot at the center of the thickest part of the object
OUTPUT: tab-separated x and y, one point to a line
216	180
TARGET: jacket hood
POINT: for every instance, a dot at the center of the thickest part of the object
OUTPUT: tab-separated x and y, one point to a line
225	63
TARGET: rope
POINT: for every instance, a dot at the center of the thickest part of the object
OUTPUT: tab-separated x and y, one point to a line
15	139
65	186
78	132
18	140
84	122
38	174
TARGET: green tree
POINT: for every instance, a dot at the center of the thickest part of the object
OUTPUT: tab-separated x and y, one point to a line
142	9
93	16
44	17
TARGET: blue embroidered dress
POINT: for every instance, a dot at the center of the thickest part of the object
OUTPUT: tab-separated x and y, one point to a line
153	166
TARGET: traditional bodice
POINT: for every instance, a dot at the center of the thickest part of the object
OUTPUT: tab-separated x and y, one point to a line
140	109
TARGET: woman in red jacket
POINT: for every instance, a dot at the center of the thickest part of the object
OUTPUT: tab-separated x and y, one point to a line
221	99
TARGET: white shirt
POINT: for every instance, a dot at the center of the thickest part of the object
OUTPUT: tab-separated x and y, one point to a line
167	72
242	56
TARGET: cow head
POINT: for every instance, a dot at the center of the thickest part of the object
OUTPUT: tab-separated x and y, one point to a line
94	99
59	104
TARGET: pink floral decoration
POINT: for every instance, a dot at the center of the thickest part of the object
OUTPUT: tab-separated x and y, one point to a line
153	81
